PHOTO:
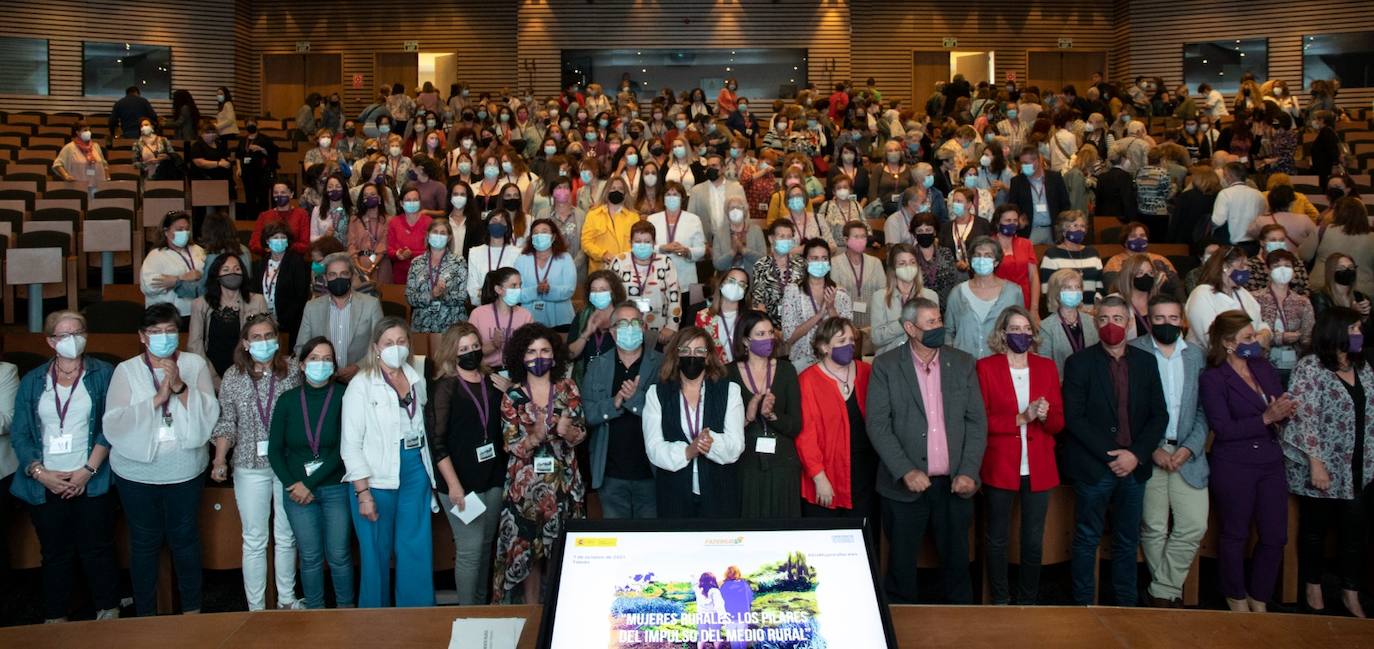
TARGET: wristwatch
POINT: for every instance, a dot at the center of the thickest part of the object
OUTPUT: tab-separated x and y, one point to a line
88	468
181	391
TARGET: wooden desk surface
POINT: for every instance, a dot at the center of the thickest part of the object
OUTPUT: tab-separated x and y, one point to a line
962	627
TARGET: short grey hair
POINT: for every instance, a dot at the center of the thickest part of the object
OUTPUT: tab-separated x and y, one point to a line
1113	301
984	240
336	257
915	305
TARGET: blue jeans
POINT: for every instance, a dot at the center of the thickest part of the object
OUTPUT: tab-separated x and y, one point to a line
628	498
157	513
1125	497
324	532
402	529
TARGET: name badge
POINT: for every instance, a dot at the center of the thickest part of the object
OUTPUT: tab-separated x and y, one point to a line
1042	207
766	445
60	445
413	442
166	434
543	465
90	171
247	159
895	198
538	306
642	303
486	452
262	448
762	207
312	467
860	307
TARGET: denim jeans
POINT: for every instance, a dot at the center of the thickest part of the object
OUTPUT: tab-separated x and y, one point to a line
1034	505
156	513
628	498
473	545
259	496
1125	498
76	530
324	532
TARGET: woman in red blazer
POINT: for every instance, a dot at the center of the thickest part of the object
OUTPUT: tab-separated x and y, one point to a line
833	445
1024	410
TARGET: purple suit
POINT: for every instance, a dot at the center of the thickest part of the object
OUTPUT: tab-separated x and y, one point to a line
1247	481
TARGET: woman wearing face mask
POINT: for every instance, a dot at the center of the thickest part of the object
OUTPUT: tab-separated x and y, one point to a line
463	219
973	306
1338	289
325	153
158	416
777	270
500	313
1070	251
218	236
836	455
406	233
979	201
303	449
465	436
780	137
282	211
738	243
1348	233
1138	282
681	236
651	282
648	198
567	219
62	478
386	458
589	186
488	189
547	276
809	300
434	288
1221	288
367	234
1274	238
890	180
513	204
851	165
153	154
283	281
841	209
769	469
398	164
172	273
544	486
248	396
905	282
606	230
433	192
1244	399
861	274
682	162
1135	240
330	217
1063	332
1287	312
497	251
217	318
589	335
722	318
1018	258
1024	408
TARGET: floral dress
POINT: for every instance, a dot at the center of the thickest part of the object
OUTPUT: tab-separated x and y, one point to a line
430	314
770	281
535	505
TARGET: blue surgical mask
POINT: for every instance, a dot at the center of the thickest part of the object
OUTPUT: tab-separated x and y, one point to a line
818	268
982	265
679	151
958	209
1271	246
507	168
542	241
496	230
783	246
319	371
277	245
550	150
511	297
928	182
672	202
180	238
1028	168
263	350
796	203
1070	299
1011	113
410	207
599	299
735	152
641	250
586	177
437	240
491	172
162	345
629	337
971	182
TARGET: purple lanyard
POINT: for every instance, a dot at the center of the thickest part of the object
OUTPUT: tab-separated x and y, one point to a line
724	325
693	417
510	322
785	274
410	407
56	397
433	270
648	270
166	407
186	259
499	256
768	377
483	406
548	408
858	272
314	440
672	227
1075	340
548	269
265	412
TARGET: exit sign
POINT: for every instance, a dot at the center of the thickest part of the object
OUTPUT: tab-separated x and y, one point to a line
410	46
1065	43
949	42
302	46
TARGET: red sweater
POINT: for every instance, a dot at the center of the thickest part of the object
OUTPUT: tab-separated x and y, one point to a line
823	443
296	220
1002	459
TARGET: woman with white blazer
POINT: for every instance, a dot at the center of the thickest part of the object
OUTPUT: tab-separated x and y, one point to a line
1221	288
171	273
387	461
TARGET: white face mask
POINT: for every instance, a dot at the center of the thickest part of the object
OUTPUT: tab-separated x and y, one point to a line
395	152
905	273
395	356
325	142
71	346
736	215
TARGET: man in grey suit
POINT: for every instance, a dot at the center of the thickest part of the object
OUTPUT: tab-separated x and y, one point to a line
1178	485
926	421
707	198
344	316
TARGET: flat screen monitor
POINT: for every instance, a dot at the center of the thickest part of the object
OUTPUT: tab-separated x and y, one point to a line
669	584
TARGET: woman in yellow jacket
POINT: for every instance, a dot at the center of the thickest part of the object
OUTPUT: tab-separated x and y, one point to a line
606	231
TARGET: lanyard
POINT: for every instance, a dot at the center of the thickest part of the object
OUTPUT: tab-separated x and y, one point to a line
548	407
314	440
693	417
1075	338
672	227
548	269
510	322
767	381
858	272
166	407
187	259
785	274
483	406
1278	313
634	266
265	412
725	326
71	396
434	270
269	279
499	256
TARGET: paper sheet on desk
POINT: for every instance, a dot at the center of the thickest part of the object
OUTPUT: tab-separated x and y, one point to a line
486	632
472	508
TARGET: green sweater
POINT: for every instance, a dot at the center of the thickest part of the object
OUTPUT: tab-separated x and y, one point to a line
287	447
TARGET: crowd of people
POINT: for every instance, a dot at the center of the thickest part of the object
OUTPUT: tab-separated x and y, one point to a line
730	293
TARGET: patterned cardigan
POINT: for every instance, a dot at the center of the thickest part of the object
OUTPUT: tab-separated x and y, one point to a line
1323	426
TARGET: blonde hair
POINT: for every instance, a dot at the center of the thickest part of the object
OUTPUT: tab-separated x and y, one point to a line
371	362
446	356
1056	284
997	341
1125	280
56	317
1086	159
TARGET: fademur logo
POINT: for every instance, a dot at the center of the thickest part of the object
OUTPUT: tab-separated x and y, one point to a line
596	542
729	541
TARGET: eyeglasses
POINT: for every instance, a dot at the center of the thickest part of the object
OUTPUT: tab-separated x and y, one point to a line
152	331
698	352
65	336
636	323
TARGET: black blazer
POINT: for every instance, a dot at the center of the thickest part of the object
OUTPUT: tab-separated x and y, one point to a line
1056	194
1090	414
1192	218
293	291
1326	152
1116	195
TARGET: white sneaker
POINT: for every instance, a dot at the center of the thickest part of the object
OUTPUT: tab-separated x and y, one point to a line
293	605
107	614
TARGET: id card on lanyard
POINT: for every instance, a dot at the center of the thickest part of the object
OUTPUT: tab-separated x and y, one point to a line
165	432
313	438
487	450
543	461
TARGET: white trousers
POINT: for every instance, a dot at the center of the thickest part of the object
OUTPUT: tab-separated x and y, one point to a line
259	495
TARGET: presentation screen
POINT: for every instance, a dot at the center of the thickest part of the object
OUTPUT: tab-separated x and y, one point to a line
678	584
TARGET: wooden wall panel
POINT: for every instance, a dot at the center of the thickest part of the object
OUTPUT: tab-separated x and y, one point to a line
1160	28
549	26
200	32
886	33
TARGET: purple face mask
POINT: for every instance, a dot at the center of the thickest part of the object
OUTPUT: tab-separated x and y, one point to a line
1019	343
1007	229
539	366
1356	344
761	347
844	354
1137	244
1076	236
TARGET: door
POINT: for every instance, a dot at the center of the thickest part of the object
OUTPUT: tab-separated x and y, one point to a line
975	66
288	79
1052	69
391	68
323	74
1078	68
445	72
927	68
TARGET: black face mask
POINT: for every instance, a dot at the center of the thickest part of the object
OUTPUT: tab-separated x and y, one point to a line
615	197
339	286
656	150
252	128
713	174
470	360
1344	277
1334	194
1166	334
692	366
1143	283
925	239
511	204
933	338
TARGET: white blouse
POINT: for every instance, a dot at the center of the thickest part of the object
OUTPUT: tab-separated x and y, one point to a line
1020	381
374	425
132	424
688	231
165	261
1205	304
69	454
726	445
482	260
